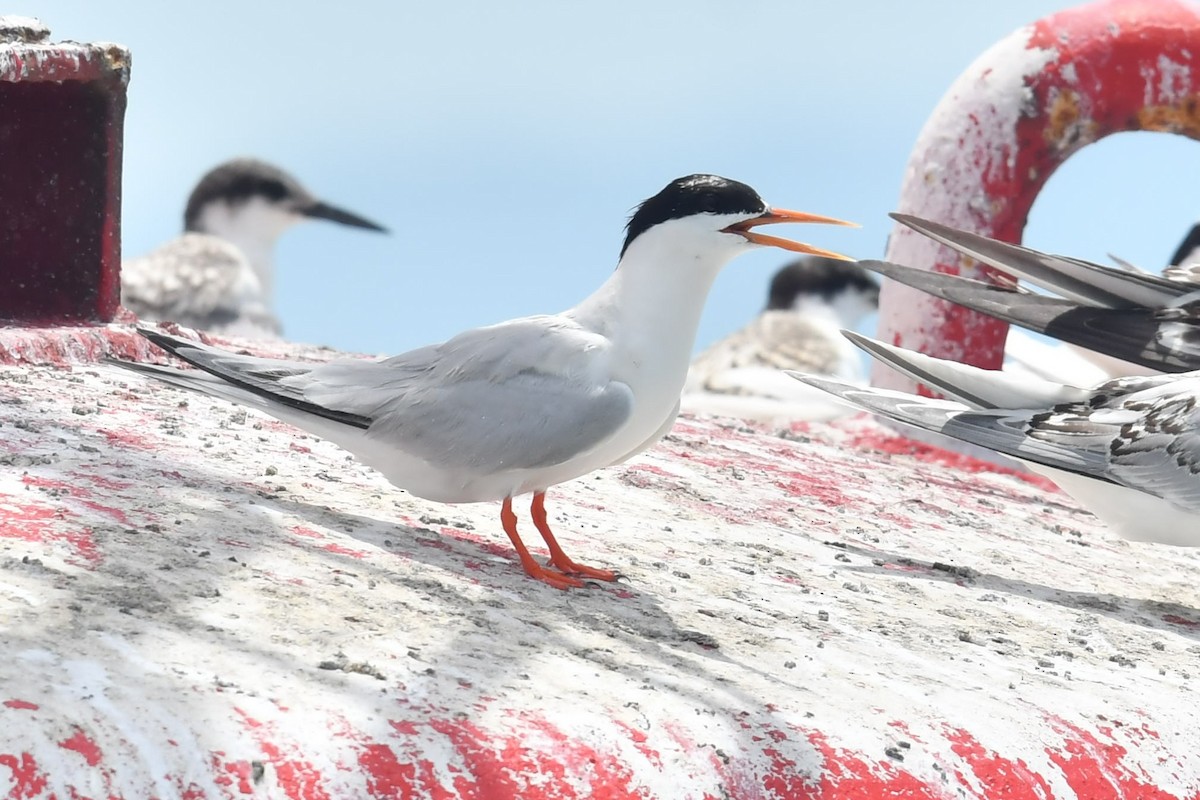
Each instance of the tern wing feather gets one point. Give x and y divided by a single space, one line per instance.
486 400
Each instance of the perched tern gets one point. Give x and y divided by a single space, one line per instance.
521 406
219 276
1127 449
1136 322
810 300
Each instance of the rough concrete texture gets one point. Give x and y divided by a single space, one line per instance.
200 602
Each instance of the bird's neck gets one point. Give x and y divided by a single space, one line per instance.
650 306
253 227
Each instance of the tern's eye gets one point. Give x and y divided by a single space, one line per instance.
709 202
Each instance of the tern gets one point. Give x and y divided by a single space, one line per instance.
219 275
809 301
521 406
1137 322
1127 449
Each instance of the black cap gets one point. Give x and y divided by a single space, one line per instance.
824 277
694 194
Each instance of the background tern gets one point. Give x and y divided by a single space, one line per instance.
1127 449
521 406
219 275
809 301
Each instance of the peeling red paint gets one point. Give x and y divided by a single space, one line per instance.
22 704
232 773
37 523
80 743
999 776
75 492
1097 770
27 781
297 777
1091 71
898 445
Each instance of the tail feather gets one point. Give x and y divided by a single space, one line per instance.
258 381
1131 335
1071 278
998 430
979 388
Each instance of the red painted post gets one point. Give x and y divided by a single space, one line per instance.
1022 109
62 110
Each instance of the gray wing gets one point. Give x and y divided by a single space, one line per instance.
200 281
520 395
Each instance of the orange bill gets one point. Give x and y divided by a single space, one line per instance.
777 215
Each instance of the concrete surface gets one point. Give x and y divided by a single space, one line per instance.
200 602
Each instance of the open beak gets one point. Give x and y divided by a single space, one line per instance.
776 215
319 210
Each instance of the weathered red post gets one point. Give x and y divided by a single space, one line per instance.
62 110
1007 123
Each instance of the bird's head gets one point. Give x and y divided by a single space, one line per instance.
707 215
247 198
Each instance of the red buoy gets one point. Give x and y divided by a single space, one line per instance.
1016 114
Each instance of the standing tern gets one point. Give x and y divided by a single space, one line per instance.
521 406
1127 449
810 300
219 275
1139 323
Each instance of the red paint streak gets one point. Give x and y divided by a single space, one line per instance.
227 772
1000 777
413 778
639 738
101 481
75 492
436 544
1096 769
824 493
22 704
892 444
132 440
35 523
342 550
298 448
233 542
298 778
1175 619
27 782
66 346
80 743
495 766
845 774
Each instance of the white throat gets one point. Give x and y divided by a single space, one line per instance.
844 310
253 227
651 305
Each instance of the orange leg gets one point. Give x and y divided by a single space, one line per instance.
557 557
534 570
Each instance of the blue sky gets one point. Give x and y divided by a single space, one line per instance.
505 143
